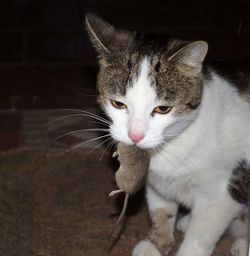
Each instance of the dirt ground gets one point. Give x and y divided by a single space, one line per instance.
57 204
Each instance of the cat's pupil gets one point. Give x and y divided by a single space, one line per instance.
119 104
163 108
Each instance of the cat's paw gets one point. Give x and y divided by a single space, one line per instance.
145 248
183 223
239 247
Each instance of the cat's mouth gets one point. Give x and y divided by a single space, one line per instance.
150 145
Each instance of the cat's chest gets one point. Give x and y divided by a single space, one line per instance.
174 179
183 174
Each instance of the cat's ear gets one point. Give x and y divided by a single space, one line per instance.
105 37
190 58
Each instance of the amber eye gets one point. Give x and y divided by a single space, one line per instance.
118 104
162 109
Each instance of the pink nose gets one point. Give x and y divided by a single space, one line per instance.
136 137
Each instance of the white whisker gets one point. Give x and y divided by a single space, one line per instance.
96 122
98 146
89 114
88 141
106 149
79 131
77 115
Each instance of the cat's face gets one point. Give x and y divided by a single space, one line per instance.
151 92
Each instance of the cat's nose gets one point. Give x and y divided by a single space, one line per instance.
136 137
136 131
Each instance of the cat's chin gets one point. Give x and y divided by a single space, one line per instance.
151 143
141 145
148 145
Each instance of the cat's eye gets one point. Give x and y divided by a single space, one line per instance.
118 104
162 109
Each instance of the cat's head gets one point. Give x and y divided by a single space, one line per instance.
151 91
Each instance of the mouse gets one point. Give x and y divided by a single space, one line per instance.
131 174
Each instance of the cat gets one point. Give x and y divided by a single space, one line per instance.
195 122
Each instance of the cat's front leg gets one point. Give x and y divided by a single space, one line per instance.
163 216
208 222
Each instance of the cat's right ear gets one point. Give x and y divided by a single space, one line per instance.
189 58
105 38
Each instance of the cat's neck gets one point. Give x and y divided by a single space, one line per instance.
217 97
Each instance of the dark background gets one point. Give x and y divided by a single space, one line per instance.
46 60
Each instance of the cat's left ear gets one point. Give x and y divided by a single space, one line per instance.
189 59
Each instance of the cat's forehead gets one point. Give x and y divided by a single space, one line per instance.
147 71
152 73
142 90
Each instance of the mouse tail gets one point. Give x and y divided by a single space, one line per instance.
125 204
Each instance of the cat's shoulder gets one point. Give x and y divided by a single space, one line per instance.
236 72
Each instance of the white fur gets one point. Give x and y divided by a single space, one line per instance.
239 247
193 168
145 248
183 223
240 230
